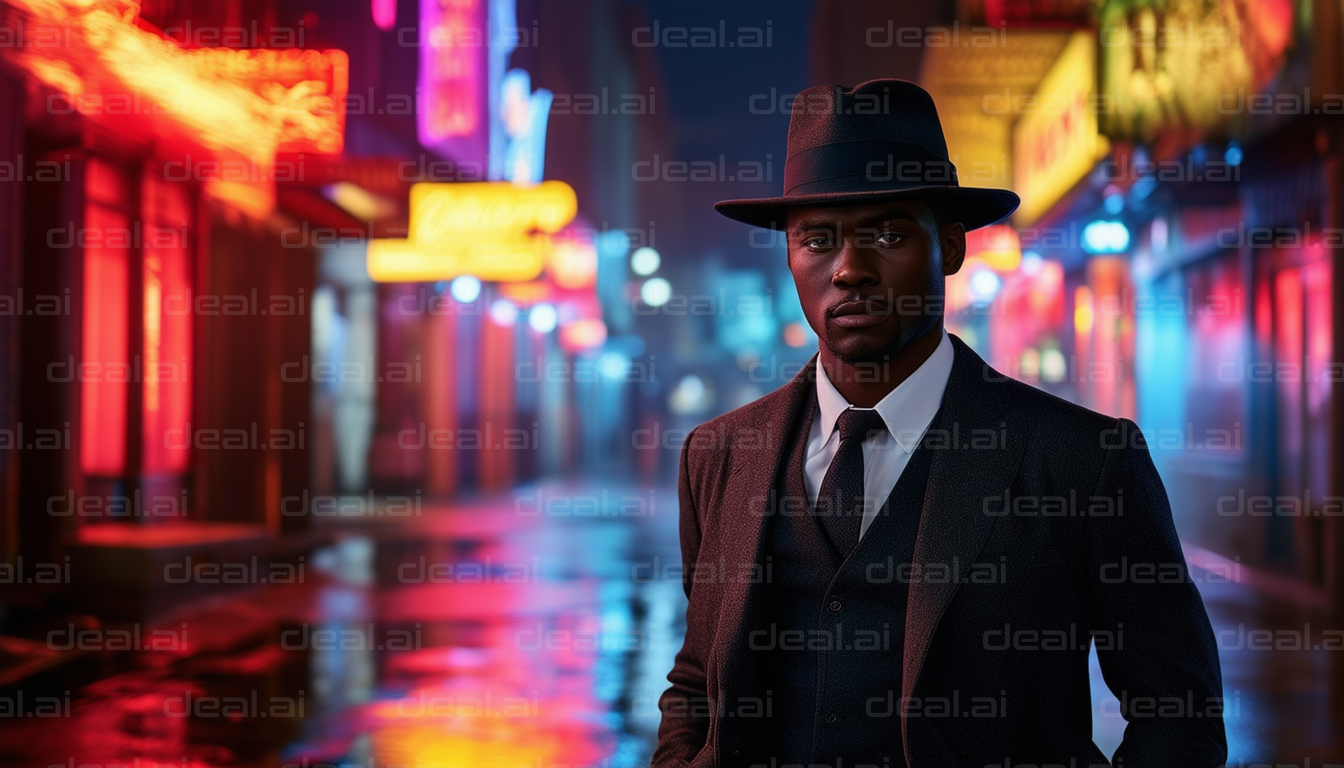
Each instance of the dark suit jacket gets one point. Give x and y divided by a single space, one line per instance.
1042 523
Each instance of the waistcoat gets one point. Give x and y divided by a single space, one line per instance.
830 640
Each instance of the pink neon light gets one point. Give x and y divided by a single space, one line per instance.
452 48
384 13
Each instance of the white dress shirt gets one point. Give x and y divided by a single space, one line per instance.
907 411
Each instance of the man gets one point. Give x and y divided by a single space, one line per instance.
929 546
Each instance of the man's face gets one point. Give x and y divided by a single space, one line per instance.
871 276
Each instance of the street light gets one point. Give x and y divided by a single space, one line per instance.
645 261
655 292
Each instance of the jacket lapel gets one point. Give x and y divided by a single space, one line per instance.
953 526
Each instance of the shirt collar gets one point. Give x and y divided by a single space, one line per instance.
908 409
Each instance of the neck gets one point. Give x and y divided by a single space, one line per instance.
857 382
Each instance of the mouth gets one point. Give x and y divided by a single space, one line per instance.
861 313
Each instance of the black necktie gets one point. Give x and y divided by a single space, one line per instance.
840 500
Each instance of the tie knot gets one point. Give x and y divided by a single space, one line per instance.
859 424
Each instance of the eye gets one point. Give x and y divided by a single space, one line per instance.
889 237
815 242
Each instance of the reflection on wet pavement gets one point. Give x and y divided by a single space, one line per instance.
499 634
491 635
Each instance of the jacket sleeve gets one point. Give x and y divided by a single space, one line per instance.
685 706
1154 642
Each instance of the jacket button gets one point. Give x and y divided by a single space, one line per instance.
831 717
836 605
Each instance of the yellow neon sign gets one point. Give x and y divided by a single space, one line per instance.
1056 141
492 230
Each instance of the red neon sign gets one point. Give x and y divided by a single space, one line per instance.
253 102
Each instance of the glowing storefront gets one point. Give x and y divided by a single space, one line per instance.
152 216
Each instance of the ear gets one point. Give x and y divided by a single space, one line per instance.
952 238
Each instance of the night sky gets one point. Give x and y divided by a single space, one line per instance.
710 92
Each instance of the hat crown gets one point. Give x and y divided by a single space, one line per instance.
885 109
880 140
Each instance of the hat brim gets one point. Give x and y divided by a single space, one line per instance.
974 207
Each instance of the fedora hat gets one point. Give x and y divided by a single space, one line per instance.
880 140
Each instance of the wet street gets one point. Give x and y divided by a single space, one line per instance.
531 630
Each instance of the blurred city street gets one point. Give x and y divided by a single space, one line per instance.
352 352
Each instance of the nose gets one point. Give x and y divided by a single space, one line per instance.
854 268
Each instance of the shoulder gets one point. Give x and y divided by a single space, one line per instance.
746 439
984 390
1066 444
1061 442
758 423
1045 408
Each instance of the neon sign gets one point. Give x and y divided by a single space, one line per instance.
492 230
253 102
1056 142
306 91
524 115
1150 59
452 78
